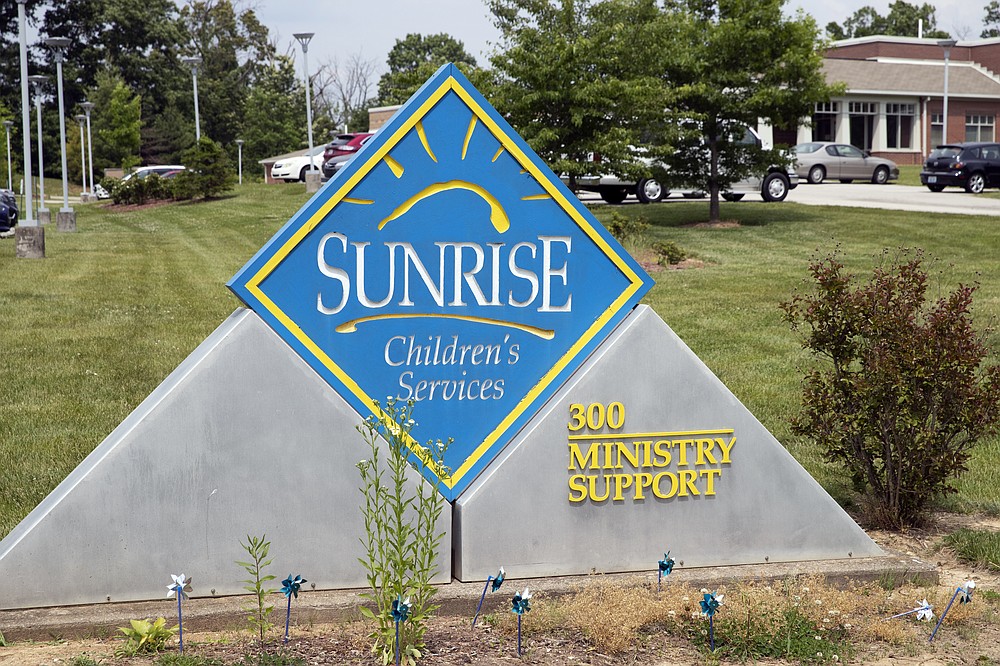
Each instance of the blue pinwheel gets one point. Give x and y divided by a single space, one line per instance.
290 587
709 605
181 586
666 565
964 596
400 611
497 582
520 604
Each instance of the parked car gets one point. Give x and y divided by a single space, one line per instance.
773 185
345 144
161 170
291 169
332 165
8 211
819 160
974 166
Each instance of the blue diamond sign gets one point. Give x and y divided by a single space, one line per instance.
445 264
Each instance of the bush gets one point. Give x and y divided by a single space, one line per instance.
668 253
625 229
208 170
138 191
904 395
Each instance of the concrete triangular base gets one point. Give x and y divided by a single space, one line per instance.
534 509
242 438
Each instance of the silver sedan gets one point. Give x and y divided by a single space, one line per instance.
818 160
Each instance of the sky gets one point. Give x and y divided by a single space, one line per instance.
345 28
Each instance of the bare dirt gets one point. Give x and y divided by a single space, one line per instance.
451 640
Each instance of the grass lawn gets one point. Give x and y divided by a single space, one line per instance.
91 330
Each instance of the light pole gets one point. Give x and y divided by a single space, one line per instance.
80 118
7 124
87 108
312 178
239 148
66 217
29 238
946 44
194 61
37 81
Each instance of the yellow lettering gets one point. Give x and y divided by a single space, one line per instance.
682 445
576 413
686 482
710 475
622 481
673 485
632 455
592 480
704 448
662 449
577 484
577 459
642 480
725 448
646 450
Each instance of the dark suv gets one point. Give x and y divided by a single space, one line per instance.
8 211
974 166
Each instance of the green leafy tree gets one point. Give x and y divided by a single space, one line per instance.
991 20
579 77
275 118
737 62
209 171
413 59
117 120
902 20
903 392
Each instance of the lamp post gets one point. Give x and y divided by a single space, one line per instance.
194 61
239 148
87 108
946 44
66 217
29 238
7 124
312 178
81 119
37 81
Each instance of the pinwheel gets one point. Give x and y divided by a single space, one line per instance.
709 604
964 596
497 582
520 604
181 586
666 565
400 611
290 587
924 611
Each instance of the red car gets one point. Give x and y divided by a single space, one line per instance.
345 144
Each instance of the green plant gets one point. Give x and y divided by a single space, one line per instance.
626 229
668 253
3 641
269 659
401 538
208 169
187 660
978 547
257 548
145 636
83 660
904 394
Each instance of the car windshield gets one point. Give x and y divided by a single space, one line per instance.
806 147
946 151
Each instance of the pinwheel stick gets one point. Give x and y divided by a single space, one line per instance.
397 642
288 616
941 619
915 610
519 616
489 579
659 577
711 632
180 623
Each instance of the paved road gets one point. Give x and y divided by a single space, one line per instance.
867 195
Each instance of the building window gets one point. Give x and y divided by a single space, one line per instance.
862 119
937 129
899 125
978 127
824 121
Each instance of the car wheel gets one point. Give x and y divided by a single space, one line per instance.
881 175
975 184
936 188
775 187
613 195
649 190
817 174
302 174
846 181
732 196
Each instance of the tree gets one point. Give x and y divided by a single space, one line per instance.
275 117
117 121
413 59
991 20
902 20
579 77
904 392
722 86
208 172
342 91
